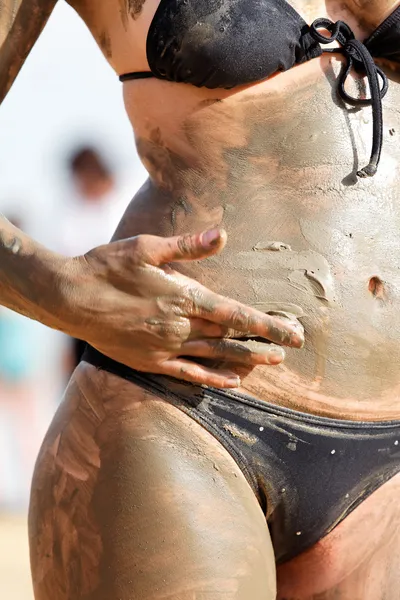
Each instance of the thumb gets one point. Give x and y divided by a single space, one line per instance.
187 247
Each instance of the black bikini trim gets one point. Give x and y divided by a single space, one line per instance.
308 472
136 75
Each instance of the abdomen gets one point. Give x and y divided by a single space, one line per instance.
275 165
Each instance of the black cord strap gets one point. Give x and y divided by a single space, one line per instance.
359 57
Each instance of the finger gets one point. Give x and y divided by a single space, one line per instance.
237 316
200 329
244 353
194 373
157 251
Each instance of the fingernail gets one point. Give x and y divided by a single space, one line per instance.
276 356
297 339
233 381
211 237
296 334
290 336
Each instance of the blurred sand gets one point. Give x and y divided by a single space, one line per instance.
15 578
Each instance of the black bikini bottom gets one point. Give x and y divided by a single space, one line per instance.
307 472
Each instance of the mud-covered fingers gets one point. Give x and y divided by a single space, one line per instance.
234 315
201 329
235 351
187 370
158 250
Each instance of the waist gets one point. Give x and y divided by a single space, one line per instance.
336 269
293 120
275 165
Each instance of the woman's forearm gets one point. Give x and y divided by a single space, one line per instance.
29 277
21 22
123 300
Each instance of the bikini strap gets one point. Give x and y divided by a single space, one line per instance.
358 56
136 75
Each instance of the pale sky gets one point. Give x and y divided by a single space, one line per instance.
66 92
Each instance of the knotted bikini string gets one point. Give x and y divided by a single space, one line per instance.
357 55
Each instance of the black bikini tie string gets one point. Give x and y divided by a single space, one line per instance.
359 57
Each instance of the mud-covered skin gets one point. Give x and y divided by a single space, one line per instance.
124 482
30 278
133 499
332 246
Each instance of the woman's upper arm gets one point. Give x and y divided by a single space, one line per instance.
21 22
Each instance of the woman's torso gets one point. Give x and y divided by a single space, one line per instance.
274 163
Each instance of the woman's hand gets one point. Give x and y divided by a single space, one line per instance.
126 301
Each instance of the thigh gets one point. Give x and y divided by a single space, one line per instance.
133 499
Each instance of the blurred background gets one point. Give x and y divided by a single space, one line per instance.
68 168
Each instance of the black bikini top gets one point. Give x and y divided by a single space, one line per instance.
225 43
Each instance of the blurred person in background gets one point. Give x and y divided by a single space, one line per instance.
94 205
20 428
95 202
